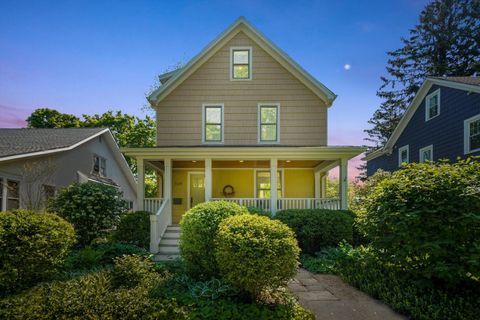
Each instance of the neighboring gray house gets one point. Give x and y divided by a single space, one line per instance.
35 163
442 122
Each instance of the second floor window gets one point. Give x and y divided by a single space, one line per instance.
213 123
403 155
241 59
426 154
432 105
472 134
268 123
99 166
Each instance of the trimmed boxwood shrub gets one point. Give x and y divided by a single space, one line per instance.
32 246
134 228
425 219
199 228
318 228
256 253
94 209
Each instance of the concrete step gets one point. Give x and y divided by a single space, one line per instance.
170 241
173 229
165 257
168 249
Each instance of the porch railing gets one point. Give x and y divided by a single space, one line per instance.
152 204
159 222
287 203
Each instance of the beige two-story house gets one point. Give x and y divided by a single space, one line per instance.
240 122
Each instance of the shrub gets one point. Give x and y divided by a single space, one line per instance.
134 228
258 211
425 219
94 209
404 293
32 246
318 228
100 255
255 253
327 260
199 228
130 271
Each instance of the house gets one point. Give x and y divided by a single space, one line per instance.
241 122
442 122
35 163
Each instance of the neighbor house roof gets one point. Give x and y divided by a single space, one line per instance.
170 80
22 142
470 84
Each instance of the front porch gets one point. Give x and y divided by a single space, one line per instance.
270 179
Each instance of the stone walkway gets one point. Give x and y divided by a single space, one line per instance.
330 298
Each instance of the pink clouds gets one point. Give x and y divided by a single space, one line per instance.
350 138
12 117
353 171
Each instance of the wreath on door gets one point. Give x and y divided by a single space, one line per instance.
228 191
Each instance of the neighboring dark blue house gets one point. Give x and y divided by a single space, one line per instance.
442 122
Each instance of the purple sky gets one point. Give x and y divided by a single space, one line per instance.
93 56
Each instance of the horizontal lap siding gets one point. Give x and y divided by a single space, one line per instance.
302 114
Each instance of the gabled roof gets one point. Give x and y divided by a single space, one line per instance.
24 142
470 84
169 81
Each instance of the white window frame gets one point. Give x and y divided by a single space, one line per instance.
427 104
427 148
250 62
259 122
282 181
222 108
400 150
466 131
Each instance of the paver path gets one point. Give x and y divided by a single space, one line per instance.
331 298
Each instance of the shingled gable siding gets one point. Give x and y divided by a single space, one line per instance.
303 116
445 132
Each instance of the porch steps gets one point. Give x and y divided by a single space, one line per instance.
168 248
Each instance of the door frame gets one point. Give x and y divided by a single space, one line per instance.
188 184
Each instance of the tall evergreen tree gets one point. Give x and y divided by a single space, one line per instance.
446 42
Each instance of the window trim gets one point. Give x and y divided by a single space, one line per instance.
420 152
259 123
100 158
407 148
282 181
427 104
249 49
222 125
466 134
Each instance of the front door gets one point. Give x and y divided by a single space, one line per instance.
196 188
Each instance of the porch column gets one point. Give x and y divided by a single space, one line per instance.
140 183
167 186
318 185
273 185
323 184
343 184
208 179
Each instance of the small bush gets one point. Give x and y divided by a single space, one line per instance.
130 271
134 228
256 253
425 219
32 247
199 228
100 255
94 209
327 260
258 211
318 228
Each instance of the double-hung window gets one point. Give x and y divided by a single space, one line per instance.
241 63
432 105
9 194
99 166
263 184
472 134
213 123
403 155
426 153
268 123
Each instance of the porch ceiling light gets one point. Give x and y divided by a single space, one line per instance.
194 160
288 161
240 161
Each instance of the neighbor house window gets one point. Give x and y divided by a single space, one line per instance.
13 195
99 166
241 63
432 105
213 123
426 154
268 117
472 134
403 155
263 184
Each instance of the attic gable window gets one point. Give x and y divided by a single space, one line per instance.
432 105
241 63
99 166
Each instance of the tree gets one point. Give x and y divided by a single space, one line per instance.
446 42
50 118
